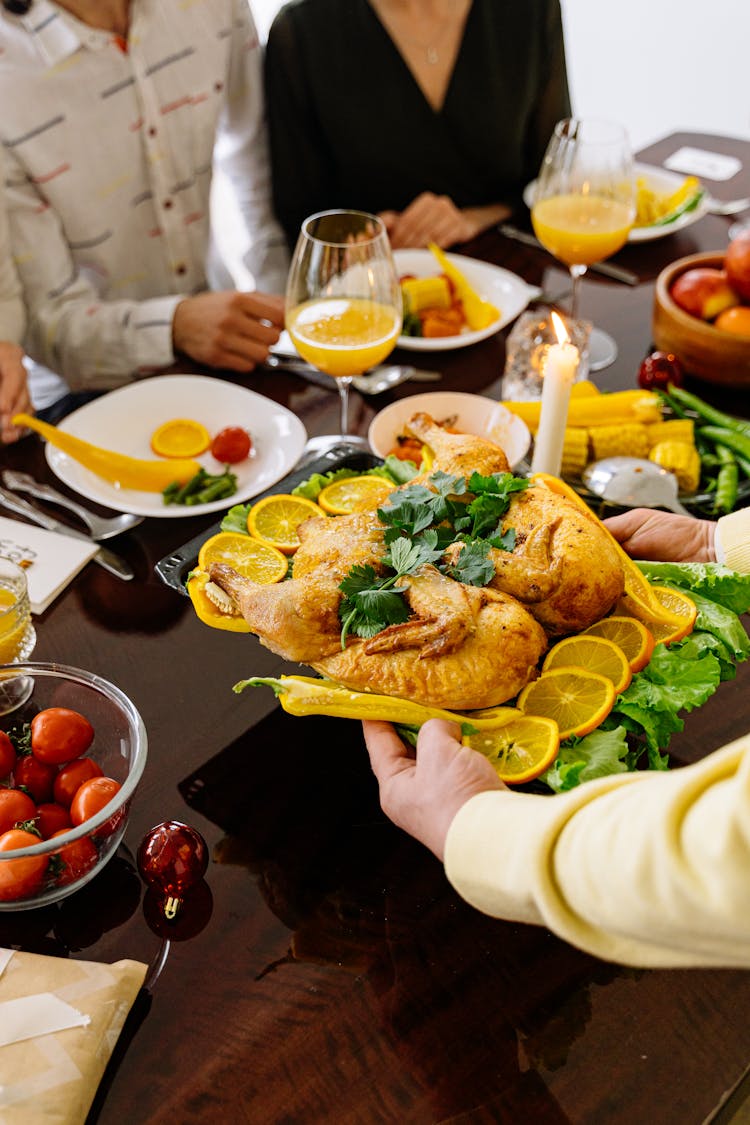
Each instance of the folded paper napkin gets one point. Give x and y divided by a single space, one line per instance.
59 1022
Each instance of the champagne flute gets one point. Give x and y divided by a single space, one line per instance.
343 298
584 205
17 634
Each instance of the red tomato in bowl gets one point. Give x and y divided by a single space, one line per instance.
72 776
7 756
231 444
16 807
38 777
51 819
22 877
91 798
74 860
58 735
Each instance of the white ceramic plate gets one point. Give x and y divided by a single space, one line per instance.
659 180
124 420
471 414
508 292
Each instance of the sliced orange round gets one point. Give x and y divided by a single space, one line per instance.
595 654
254 560
519 750
679 606
632 636
354 494
180 437
274 520
578 700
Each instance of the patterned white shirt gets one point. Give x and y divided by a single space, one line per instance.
109 149
12 316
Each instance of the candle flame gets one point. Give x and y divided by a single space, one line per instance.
560 330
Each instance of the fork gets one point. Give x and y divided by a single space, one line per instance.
728 206
99 526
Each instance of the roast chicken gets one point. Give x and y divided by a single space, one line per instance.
463 647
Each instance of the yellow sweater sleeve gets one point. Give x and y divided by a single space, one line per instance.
733 532
648 869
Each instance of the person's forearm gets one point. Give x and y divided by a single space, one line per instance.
483 217
644 869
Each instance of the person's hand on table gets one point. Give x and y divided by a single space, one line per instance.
663 536
436 218
422 793
14 391
229 330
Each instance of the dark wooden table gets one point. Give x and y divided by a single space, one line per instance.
329 973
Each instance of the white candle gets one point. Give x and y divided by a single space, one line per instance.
559 374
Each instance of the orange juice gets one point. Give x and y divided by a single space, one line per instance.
582 229
343 335
14 620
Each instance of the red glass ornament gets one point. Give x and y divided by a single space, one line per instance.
172 857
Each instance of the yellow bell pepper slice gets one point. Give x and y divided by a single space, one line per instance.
207 611
117 468
478 311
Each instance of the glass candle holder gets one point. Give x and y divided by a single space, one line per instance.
17 634
527 349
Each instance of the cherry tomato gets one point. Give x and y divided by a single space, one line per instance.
71 777
91 797
660 369
38 777
21 877
51 819
7 756
231 445
59 735
74 860
16 807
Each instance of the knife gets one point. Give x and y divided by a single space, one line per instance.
607 269
106 558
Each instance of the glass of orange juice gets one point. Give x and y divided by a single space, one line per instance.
343 299
17 634
584 205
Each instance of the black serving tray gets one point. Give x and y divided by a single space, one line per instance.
175 567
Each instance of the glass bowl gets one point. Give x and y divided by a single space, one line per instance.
119 748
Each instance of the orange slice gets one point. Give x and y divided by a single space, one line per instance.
354 494
519 750
578 700
250 558
274 520
595 654
682 610
180 437
639 599
630 634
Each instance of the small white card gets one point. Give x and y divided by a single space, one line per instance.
51 560
707 165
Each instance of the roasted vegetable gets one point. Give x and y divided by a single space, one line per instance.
681 459
479 312
629 439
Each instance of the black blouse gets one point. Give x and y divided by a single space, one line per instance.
350 126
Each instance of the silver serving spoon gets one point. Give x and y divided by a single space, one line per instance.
634 482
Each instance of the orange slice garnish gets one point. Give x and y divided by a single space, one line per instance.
577 700
254 560
274 520
630 634
354 494
180 437
681 608
519 750
595 654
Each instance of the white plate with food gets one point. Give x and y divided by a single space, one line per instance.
654 187
465 413
124 420
509 294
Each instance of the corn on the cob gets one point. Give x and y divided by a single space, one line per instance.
676 429
426 293
575 452
681 459
614 409
629 439
584 388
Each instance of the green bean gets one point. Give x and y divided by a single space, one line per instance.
726 481
744 464
708 412
732 439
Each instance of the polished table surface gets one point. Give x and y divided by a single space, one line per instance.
327 972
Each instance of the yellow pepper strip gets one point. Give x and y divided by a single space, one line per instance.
478 311
117 468
207 611
588 410
305 695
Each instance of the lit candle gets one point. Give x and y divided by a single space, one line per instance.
560 369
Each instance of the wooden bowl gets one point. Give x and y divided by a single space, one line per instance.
707 353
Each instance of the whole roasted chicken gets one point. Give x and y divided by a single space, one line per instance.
461 645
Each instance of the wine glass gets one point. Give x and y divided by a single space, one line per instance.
17 634
343 298
584 205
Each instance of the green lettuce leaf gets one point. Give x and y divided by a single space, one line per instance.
718 583
599 754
